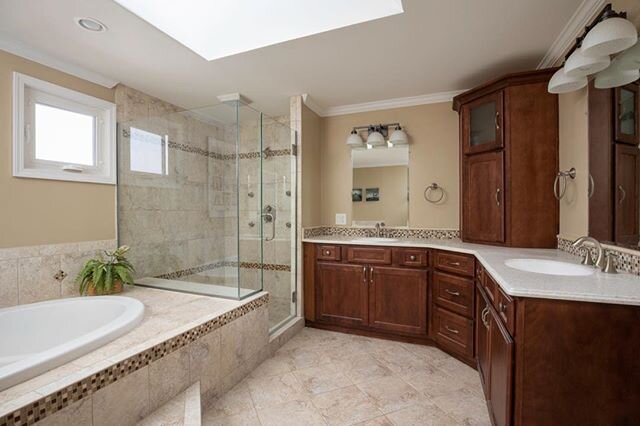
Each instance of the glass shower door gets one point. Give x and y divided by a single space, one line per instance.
278 218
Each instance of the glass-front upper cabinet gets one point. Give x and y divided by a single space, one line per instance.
626 113
483 123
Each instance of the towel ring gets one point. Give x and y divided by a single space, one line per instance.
433 188
560 183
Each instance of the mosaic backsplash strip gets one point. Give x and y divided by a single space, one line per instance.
344 231
222 264
627 261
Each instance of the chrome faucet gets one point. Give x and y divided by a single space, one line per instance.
379 226
600 261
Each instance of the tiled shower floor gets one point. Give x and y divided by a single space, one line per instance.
327 378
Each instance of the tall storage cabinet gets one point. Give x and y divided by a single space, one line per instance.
509 160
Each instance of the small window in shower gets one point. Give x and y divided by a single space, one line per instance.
148 152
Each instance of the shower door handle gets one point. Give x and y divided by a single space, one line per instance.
269 218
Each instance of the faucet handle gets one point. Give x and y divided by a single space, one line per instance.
587 259
610 263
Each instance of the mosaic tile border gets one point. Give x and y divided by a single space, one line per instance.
627 261
47 405
267 153
211 266
345 231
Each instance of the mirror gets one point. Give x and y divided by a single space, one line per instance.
380 190
614 164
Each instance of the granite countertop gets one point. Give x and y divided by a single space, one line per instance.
621 288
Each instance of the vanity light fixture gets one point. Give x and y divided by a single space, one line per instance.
609 34
377 136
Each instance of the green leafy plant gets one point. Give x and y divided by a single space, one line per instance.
104 271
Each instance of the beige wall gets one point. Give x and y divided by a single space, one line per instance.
433 157
37 211
393 207
574 146
310 167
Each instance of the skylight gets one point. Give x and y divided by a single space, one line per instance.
215 29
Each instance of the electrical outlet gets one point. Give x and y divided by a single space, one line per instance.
341 218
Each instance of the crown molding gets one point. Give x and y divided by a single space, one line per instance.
312 104
42 58
408 101
583 15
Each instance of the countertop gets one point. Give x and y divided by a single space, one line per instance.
620 288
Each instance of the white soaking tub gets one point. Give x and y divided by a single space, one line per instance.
38 337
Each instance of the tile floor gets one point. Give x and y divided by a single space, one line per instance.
327 378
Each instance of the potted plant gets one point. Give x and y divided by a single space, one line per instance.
106 274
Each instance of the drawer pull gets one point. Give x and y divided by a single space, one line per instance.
485 312
327 253
451 330
412 257
454 263
364 274
453 293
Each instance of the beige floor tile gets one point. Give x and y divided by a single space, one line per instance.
345 406
322 378
378 421
423 414
236 401
247 418
399 360
304 357
458 369
292 413
268 391
430 353
360 368
433 382
390 393
275 366
464 408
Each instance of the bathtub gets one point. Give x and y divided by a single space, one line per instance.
37 337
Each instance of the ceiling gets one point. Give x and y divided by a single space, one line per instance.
434 46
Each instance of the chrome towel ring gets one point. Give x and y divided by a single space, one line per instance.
434 193
559 188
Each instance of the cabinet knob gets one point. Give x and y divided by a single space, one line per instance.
327 252
412 257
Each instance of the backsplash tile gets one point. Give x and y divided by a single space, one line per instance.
27 274
627 261
347 231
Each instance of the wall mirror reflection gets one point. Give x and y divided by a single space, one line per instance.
380 186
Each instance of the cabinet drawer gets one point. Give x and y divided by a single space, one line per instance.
328 252
454 293
411 257
506 308
369 255
453 332
462 264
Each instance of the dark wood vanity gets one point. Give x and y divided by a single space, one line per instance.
541 361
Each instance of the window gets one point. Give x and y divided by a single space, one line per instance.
148 152
62 134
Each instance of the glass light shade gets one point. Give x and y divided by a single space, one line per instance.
376 139
399 137
578 65
561 83
610 36
615 77
354 140
629 59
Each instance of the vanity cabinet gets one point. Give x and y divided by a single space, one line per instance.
626 114
509 161
342 294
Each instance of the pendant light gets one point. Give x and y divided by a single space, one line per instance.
610 36
614 76
398 137
354 140
375 138
578 65
561 83
630 59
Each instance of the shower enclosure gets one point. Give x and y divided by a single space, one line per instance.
207 199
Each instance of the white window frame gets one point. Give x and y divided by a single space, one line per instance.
29 90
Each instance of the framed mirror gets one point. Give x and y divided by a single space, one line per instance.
380 190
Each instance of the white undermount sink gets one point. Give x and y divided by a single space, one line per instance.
375 240
550 267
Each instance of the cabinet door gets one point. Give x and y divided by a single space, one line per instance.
398 300
626 201
500 371
483 322
483 202
342 294
482 124
626 114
